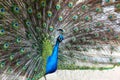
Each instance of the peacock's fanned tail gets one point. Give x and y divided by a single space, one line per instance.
22 39
29 28
92 35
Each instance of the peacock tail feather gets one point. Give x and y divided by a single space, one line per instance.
29 30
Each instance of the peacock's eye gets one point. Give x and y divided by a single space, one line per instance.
111 17
60 18
75 29
98 24
22 50
18 40
15 9
84 7
2 64
9 70
18 63
29 36
2 31
75 17
87 29
39 15
43 3
51 28
12 57
49 13
70 4
73 39
96 34
44 24
2 11
98 10
58 6
15 25
87 18
28 23
6 45
30 10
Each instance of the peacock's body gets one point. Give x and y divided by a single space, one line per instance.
31 32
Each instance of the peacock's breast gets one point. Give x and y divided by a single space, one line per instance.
51 65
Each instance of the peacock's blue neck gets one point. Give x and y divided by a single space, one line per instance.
52 60
55 50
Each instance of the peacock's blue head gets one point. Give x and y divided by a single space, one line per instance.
60 38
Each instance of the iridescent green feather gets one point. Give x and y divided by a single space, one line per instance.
47 50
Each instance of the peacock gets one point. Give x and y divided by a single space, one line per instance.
37 37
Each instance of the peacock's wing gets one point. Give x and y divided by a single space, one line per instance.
91 31
21 39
